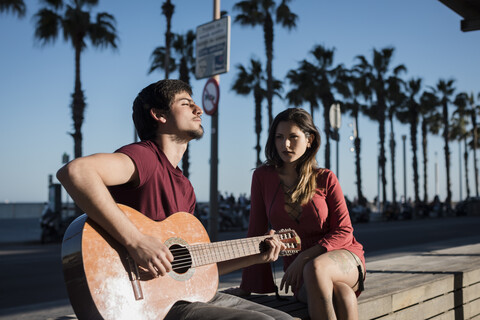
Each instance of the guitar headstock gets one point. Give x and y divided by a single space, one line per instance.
291 240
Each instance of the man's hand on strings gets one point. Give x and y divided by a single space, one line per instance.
274 248
151 254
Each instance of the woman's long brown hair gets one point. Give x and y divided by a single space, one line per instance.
306 166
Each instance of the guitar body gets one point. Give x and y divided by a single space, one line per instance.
100 278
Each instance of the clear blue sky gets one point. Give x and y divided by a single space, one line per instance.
36 84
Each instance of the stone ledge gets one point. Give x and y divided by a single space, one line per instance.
437 285
443 284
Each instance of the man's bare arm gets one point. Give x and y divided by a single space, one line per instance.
86 180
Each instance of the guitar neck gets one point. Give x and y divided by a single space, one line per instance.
207 253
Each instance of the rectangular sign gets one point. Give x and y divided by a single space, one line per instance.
212 48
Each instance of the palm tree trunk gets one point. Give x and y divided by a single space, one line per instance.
168 37
358 170
425 160
382 158
413 141
185 77
78 107
268 34
258 123
446 149
475 146
326 119
392 155
465 158
327 100
168 9
186 162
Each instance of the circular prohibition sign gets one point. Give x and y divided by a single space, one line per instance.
211 96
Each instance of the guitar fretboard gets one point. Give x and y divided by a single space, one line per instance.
207 253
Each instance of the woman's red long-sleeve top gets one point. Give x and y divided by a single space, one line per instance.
324 221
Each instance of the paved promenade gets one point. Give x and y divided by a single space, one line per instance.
27 231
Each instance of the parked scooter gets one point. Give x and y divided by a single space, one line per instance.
232 218
52 225
53 222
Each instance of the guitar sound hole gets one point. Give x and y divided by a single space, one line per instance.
182 260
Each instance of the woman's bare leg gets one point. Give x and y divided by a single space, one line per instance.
320 274
345 302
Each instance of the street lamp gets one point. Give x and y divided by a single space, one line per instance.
66 159
404 138
436 174
353 136
460 167
336 122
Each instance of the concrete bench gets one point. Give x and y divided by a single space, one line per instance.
436 285
443 284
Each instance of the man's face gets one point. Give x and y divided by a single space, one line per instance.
185 116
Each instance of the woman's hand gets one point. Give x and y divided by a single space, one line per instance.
293 275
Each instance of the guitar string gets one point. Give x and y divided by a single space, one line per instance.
185 260
230 242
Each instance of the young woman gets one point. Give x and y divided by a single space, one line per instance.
290 191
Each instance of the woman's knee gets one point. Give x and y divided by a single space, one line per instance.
317 268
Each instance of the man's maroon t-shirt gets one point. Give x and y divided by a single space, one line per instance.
162 190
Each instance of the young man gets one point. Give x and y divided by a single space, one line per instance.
146 177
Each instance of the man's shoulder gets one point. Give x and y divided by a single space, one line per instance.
143 149
141 145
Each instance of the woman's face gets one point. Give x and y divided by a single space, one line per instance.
290 142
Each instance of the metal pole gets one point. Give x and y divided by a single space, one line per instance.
404 138
213 212
378 183
338 170
460 167
436 175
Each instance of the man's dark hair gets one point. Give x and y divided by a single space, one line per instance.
158 95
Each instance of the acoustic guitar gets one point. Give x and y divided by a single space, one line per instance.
104 282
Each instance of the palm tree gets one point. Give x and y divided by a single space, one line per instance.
326 83
260 12
16 6
354 88
303 82
431 123
252 80
158 61
444 91
410 114
167 9
377 73
394 99
316 80
73 19
474 110
459 131
183 46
